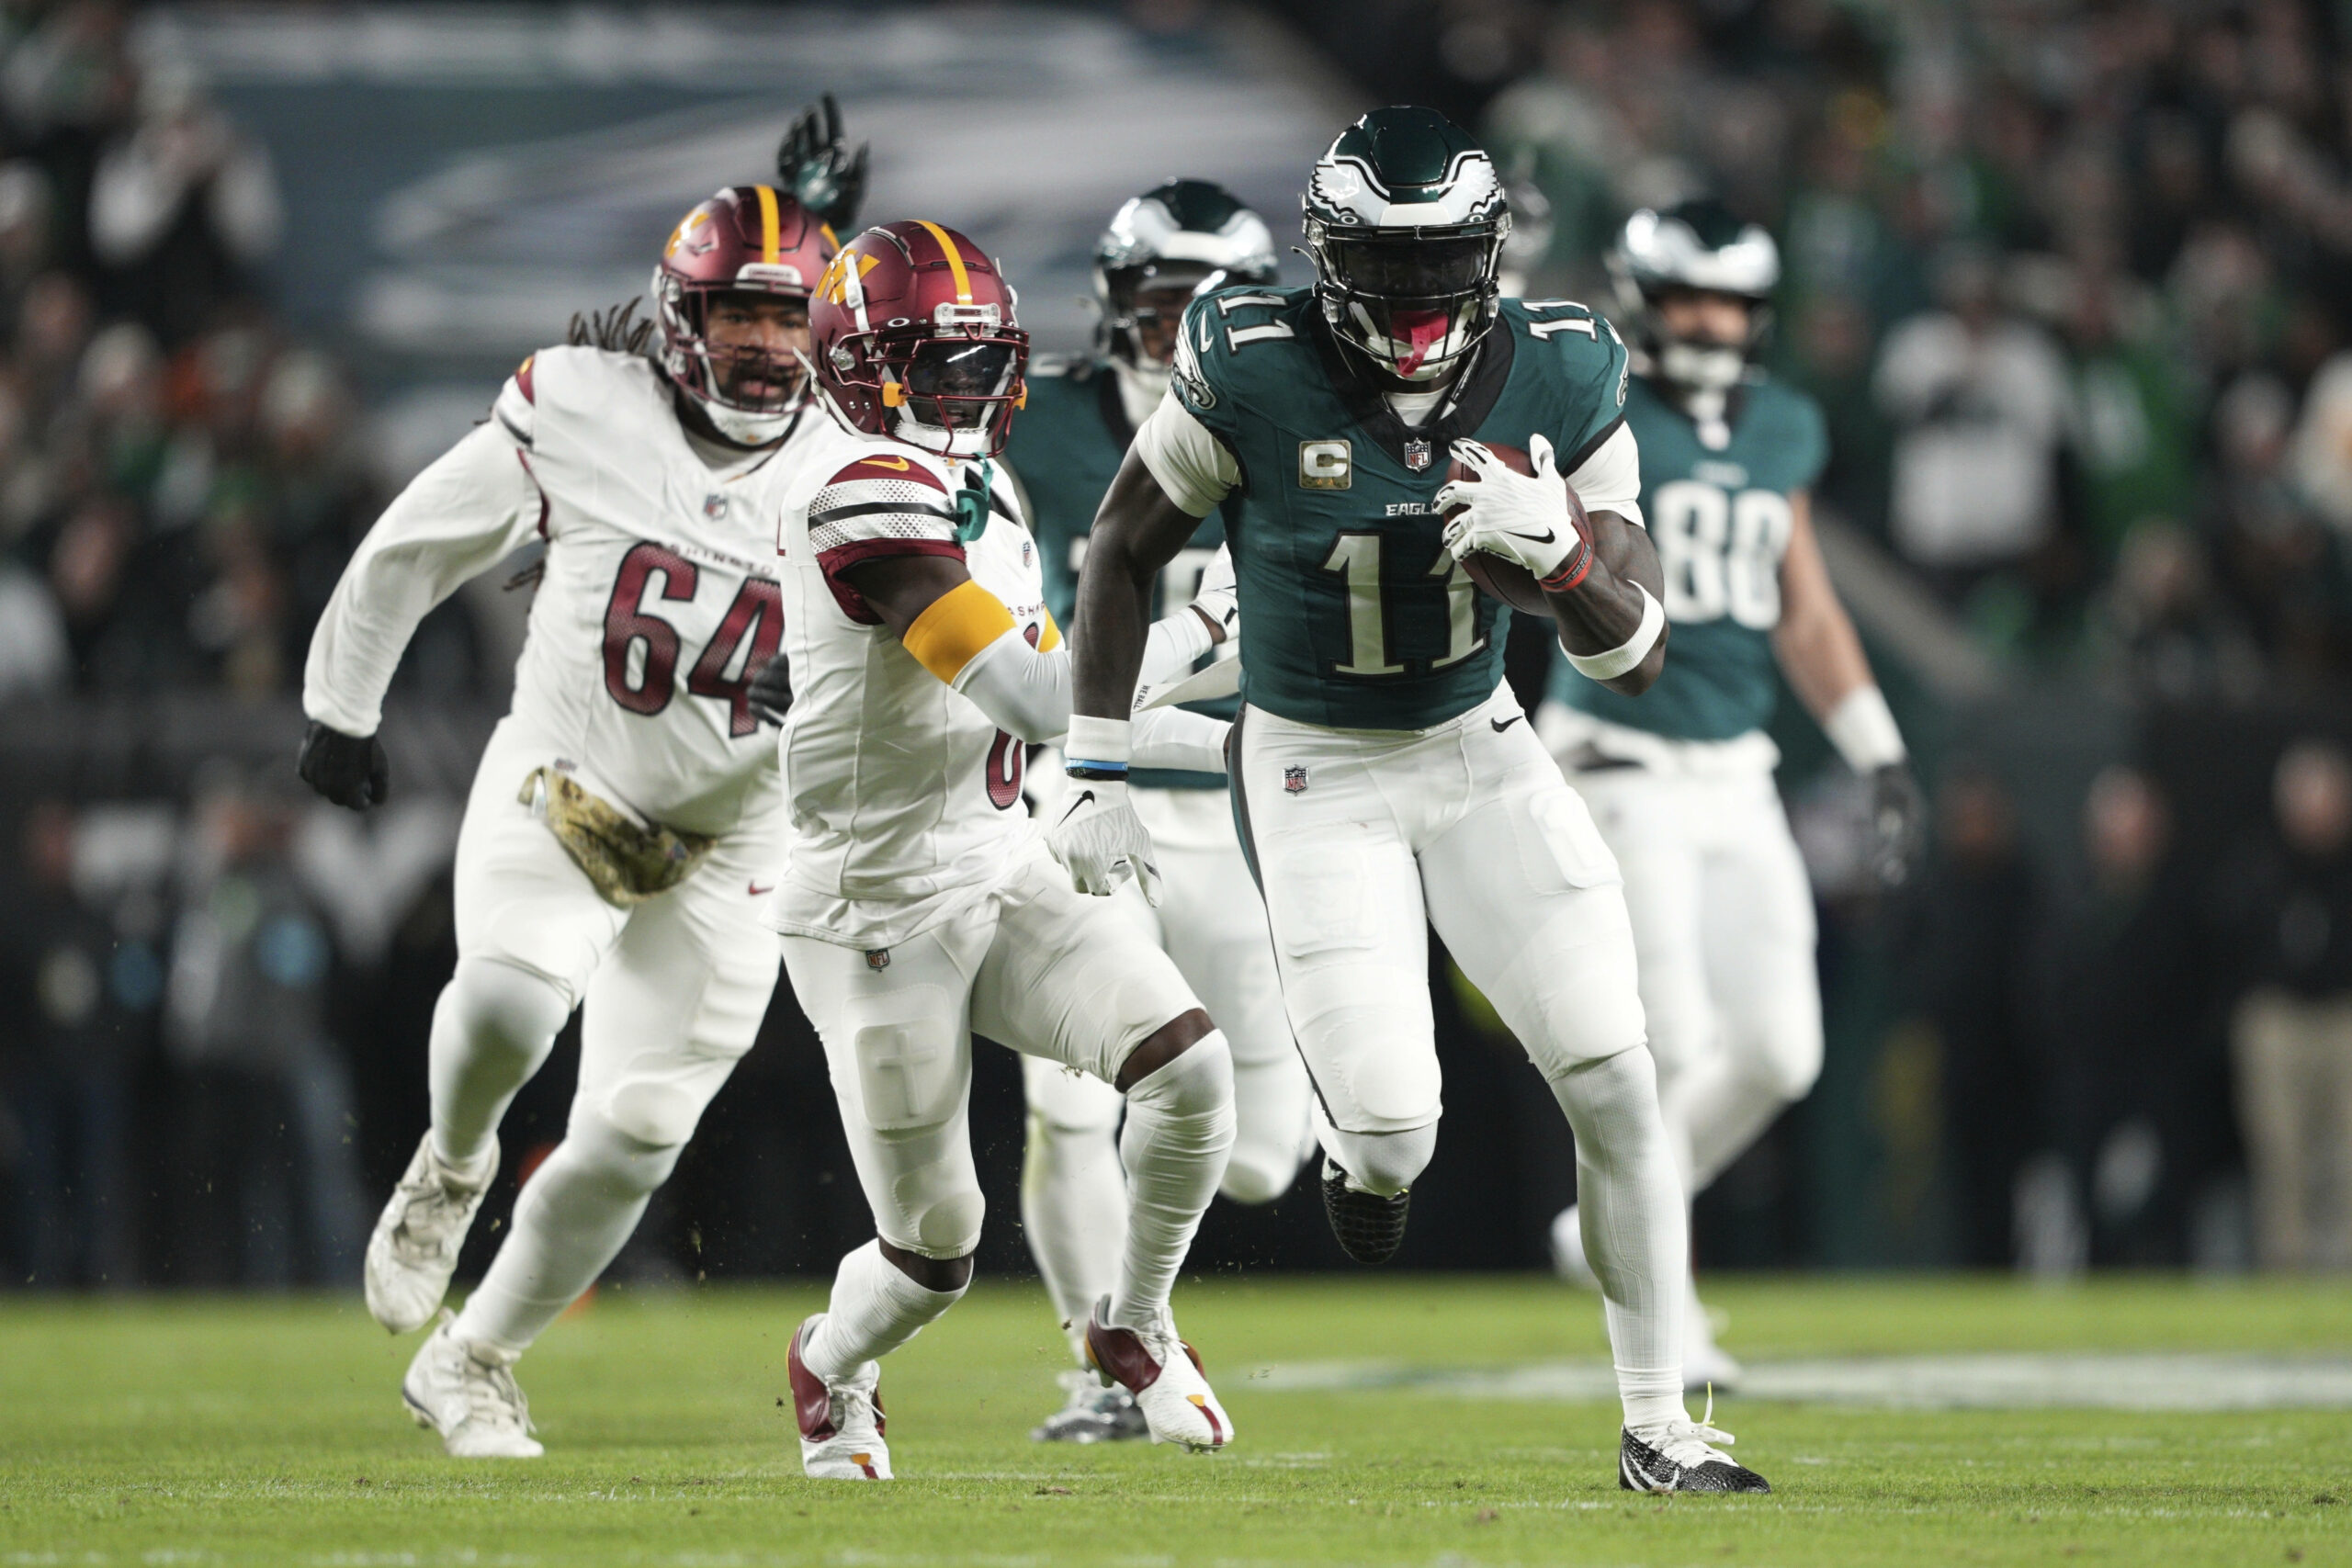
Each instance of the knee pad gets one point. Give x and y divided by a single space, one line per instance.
936 1206
622 1164
1610 1101
1781 1060
505 1007
1197 1082
1257 1172
1384 1163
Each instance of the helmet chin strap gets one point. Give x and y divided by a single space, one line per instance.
743 428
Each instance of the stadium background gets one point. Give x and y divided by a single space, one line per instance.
259 264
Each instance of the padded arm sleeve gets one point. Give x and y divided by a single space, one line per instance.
474 506
1027 690
1610 480
1194 467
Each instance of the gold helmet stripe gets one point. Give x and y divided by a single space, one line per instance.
771 229
954 261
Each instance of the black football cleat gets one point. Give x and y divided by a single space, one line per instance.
1677 1457
1370 1228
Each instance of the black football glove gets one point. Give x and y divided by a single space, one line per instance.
1898 825
350 770
770 694
816 166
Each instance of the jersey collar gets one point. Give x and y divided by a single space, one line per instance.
1474 396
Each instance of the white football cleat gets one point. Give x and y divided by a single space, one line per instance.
1164 1374
467 1394
1092 1413
414 1249
842 1423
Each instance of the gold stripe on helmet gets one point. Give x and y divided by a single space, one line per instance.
771 235
954 261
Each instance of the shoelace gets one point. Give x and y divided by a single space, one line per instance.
1681 1438
493 1398
430 1216
853 1411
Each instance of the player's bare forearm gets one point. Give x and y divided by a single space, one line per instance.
1604 610
1815 643
1137 531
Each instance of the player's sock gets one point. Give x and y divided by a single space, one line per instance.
1635 1233
874 1310
1179 1132
573 1219
1074 1211
494 1024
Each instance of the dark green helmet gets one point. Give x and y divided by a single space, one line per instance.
1181 237
1404 220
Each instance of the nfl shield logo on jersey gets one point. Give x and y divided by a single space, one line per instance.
1416 454
1295 781
714 506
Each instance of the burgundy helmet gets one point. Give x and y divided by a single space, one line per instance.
914 334
747 239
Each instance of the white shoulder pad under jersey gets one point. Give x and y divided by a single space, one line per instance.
902 793
660 591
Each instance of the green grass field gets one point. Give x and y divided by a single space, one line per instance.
186 1431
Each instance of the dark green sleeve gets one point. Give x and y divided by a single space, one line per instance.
1809 441
1597 376
1204 378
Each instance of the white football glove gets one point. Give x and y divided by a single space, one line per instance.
1525 518
1219 599
1101 841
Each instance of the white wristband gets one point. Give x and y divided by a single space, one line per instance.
1864 730
1632 651
1093 739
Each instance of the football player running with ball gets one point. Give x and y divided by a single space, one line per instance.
1383 776
1682 780
1180 239
918 904
627 814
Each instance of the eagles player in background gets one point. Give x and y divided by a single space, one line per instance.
1682 780
1180 239
627 810
1383 776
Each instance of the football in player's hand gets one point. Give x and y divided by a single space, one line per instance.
1504 579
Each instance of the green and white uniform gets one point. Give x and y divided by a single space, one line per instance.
1681 781
1383 776
1066 446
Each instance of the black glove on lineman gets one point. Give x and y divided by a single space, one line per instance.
1898 824
350 770
816 166
770 694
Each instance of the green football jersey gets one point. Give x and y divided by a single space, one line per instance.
1352 614
1721 521
1067 445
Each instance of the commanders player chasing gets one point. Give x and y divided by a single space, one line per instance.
627 810
1682 780
1180 239
1383 776
918 904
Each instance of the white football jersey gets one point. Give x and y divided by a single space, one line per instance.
905 798
659 589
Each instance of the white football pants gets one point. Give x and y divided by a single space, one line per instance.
1033 965
1723 924
1213 923
671 992
1362 839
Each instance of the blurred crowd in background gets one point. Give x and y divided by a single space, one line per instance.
2075 282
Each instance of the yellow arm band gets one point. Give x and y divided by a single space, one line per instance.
1049 635
956 626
